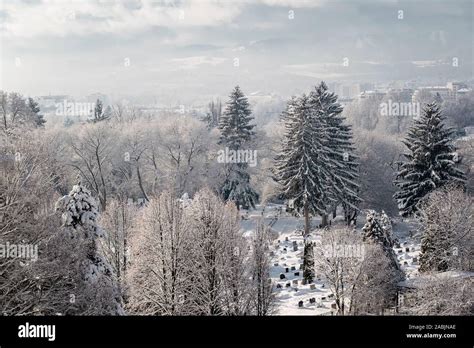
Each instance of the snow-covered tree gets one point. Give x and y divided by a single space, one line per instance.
343 185
212 118
157 277
334 265
261 282
447 229
446 293
38 119
96 278
119 222
430 162
376 231
236 272
236 132
92 147
208 256
386 225
302 167
373 282
100 114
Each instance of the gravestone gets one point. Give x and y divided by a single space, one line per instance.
282 276
278 286
323 298
275 264
286 239
333 306
405 263
295 248
284 250
297 274
322 286
295 281
415 259
288 285
286 270
301 266
312 286
293 268
400 251
407 249
312 300
300 304
331 296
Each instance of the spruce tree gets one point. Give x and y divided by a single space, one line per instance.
301 168
99 113
372 230
34 109
80 214
375 231
343 185
236 132
429 163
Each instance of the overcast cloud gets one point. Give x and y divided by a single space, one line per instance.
191 48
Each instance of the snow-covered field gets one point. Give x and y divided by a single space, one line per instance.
287 260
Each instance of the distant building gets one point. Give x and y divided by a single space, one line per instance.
451 91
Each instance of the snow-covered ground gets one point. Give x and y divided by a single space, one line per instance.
287 260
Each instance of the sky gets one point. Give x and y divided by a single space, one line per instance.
195 48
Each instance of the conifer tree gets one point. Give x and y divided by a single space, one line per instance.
343 185
301 168
99 113
430 162
38 120
236 132
375 231
80 214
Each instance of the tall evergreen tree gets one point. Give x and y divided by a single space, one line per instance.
301 168
377 231
80 214
38 119
100 114
213 116
341 157
236 132
429 163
